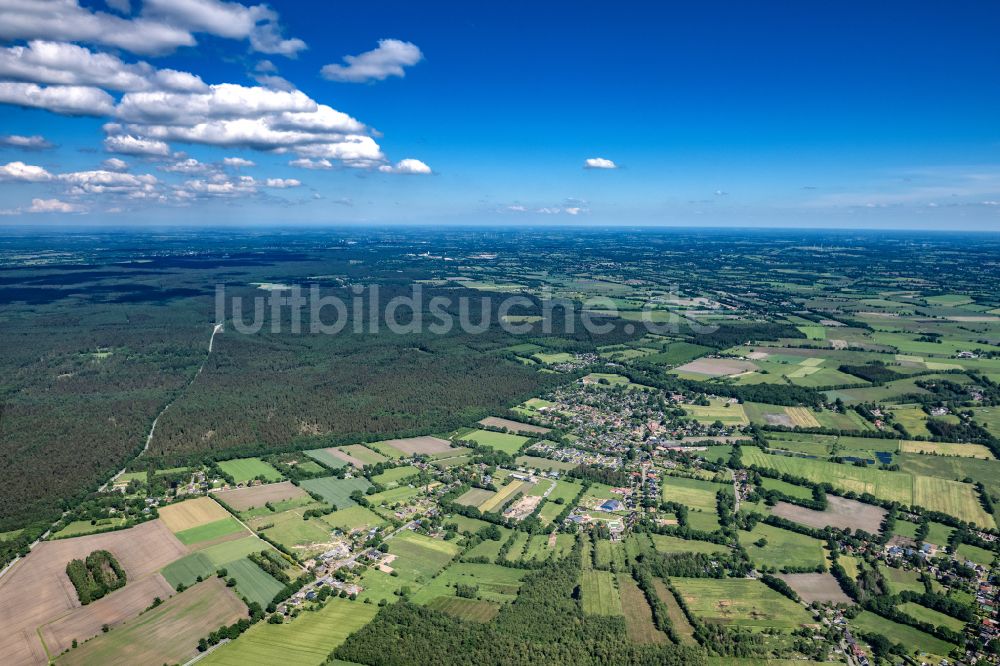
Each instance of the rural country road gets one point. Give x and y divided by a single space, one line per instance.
217 328
736 492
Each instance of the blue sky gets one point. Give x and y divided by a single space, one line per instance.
711 113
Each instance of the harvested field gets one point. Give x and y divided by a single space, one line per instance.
243 499
676 614
85 622
952 497
779 415
513 426
472 610
167 634
716 367
812 587
36 590
638 614
413 446
802 416
840 513
191 513
946 449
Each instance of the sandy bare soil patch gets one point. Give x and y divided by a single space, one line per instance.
523 507
86 622
421 445
167 634
385 564
816 587
717 367
37 591
514 426
242 499
840 512
191 513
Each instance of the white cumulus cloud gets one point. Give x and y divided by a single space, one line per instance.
388 59
162 27
126 144
115 164
53 206
67 100
407 166
599 163
237 162
25 173
306 163
34 142
189 165
68 64
282 183
110 182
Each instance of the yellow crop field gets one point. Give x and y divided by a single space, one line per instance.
951 497
503 495
946 449
802 416
191 513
